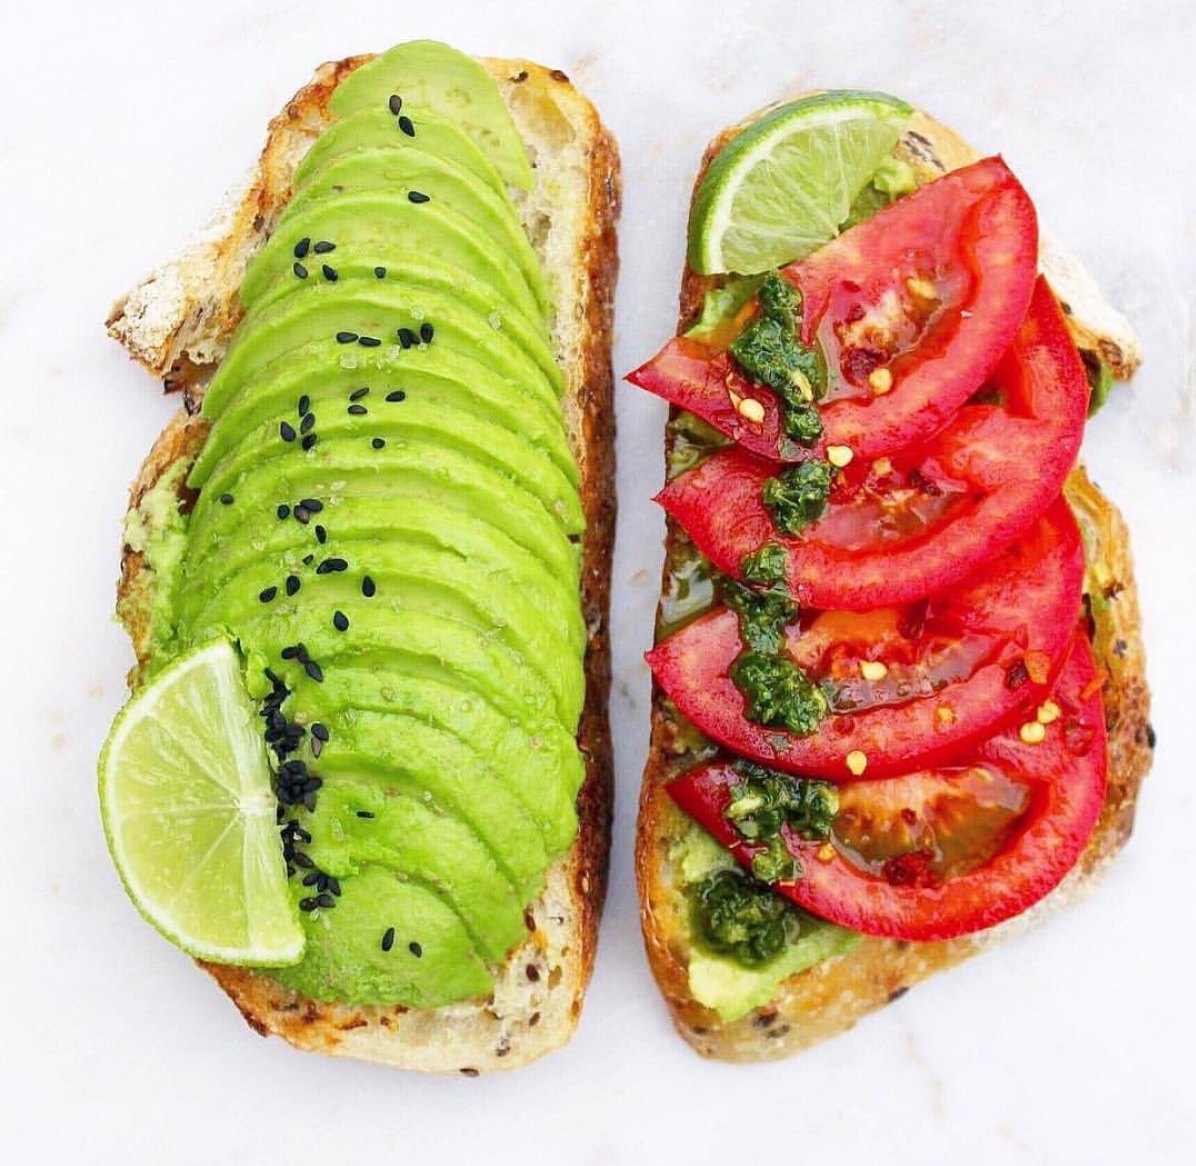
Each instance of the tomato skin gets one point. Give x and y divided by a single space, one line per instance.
999 467
1027 601
1066 775
983 217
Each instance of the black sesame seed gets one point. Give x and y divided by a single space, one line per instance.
308 560
365 813
302 515
340 621
299 270
292 584
333 885
346 337
301 656
309 441
406 126
378 442
323 247
395 104
406 337
369 341
286 431
357 410
303 860
329 273
319 731
307 904
380 272
268 595
325 900
417 196
304 405
309 420
314 671
367 587
313 505
290 651
313 878
312 784
357 394
388 939
321 535
415 949
397 395
309 803
329 565
301 248
426 332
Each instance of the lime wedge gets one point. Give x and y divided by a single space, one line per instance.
190 815
782 188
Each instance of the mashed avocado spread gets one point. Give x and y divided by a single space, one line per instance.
386 524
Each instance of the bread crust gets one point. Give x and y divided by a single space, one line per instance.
177 324
832 996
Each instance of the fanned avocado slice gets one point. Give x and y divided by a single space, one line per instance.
411 472
418 423
426 374
376 314
544 769
426 521
363 227
426 74
412 577
436 849
393 264
345 958
376 128
417 758
417 174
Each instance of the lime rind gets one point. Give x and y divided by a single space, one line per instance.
189 814
782 187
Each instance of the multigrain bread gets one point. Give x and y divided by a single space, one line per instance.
830 997
178 322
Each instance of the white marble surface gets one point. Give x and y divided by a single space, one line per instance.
124 124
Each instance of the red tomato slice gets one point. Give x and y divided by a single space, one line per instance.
958 666
944 852
931 290
921 520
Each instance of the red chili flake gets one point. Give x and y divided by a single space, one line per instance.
1016 674
911 870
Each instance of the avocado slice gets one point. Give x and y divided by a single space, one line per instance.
400 266
545 770
361 227
345 960
413 577
426 375
375 313
409 836
426 522
345 475
426 74
378 129
418 423
408 172
403 754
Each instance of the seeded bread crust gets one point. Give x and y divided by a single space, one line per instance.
832 996
177 324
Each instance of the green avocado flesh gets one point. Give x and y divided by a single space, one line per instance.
386 522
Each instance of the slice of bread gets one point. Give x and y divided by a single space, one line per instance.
178 322
830 997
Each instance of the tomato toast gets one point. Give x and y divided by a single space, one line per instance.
900 700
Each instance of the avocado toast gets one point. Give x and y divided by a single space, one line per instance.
391 483
829 977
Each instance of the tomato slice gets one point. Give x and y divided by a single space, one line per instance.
944 852
919 521
957 666
930 290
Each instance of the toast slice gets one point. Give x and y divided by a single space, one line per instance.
831 996
177 323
